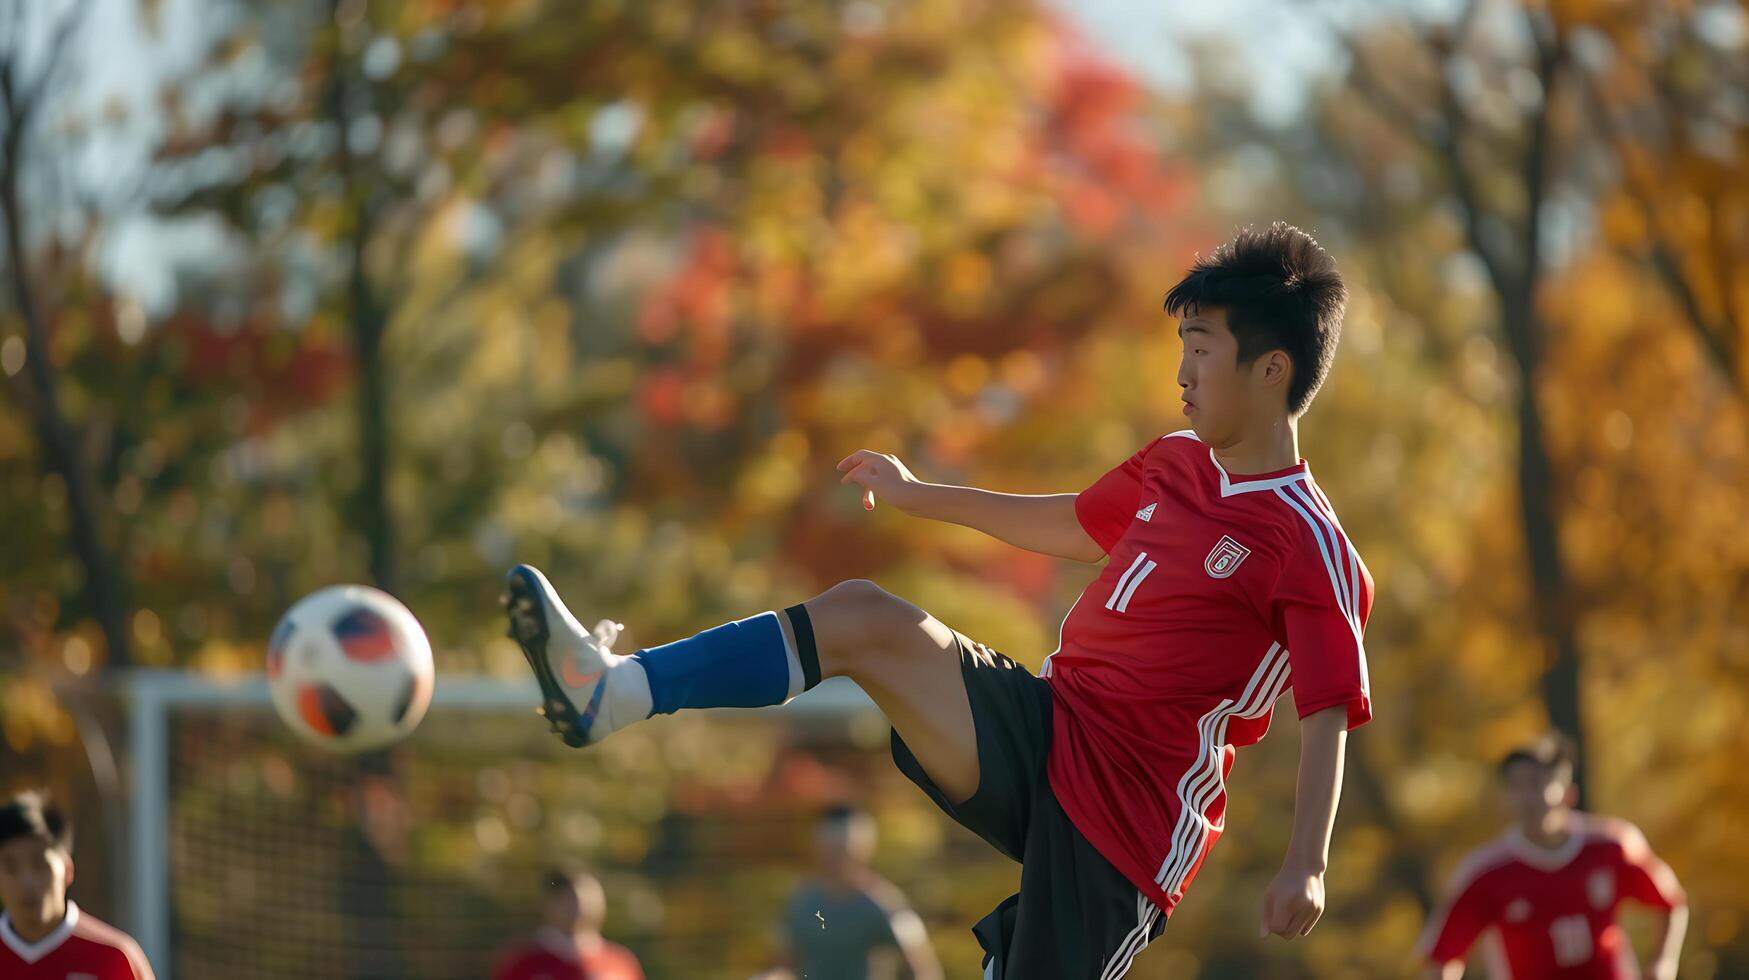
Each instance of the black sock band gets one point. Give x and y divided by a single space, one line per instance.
805 652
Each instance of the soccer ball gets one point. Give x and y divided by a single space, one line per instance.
350 669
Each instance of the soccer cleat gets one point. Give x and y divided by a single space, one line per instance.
571 664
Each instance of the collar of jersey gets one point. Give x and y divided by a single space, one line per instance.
31 952
1262 481
1547 858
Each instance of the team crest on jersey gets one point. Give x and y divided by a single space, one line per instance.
1518 910
1146 513
1601 887
1225 558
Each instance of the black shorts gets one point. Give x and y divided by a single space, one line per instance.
1076 917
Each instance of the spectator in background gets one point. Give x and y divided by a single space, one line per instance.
43 933
568 945
847 923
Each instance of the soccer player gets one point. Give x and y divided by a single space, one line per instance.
43 934
1546 892
568 945
1229 581
846 922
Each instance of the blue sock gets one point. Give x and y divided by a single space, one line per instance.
744 664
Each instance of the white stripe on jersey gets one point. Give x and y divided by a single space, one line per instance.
1354 563
1206 780
1123 579
1201 783
1123 604
1326 531
1334 547
1212 783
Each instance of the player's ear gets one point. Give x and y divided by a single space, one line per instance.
1274 367
1571 796
69 862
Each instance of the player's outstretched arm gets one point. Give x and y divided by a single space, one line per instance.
1294 901
1043 523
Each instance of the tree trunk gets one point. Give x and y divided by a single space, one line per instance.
1405 865
368 320
1536 504
373 424
372 897
105 587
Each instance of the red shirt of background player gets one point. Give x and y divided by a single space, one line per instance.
82 946
554 956
1551 914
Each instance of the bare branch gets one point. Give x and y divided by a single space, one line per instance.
57 51
1718 338
1551 55
1444 136
1366 83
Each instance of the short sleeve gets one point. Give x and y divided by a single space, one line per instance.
1643 877
890 920
1321 604
1454 928
1106 508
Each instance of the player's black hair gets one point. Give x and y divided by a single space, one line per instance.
1553 752
842 813
33 814
563 877
1280 291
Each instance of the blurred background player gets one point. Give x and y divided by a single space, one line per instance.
42 932
846 922
1548 889
568 945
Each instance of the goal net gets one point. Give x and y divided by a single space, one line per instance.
255 857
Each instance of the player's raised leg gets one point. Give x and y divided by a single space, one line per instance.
908 662
904 658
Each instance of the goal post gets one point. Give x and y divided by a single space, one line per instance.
159 700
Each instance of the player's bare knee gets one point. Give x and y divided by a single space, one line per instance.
858 605
857 619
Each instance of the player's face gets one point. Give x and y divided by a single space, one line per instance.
33 878
845 842
581 906
1220 395
564 910
1533 791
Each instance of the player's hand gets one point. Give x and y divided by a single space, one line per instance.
1293 903
882 475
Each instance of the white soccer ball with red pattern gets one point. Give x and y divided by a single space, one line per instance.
350 669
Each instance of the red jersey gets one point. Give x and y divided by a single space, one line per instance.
1221 593
555 956
82 947
1551 914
